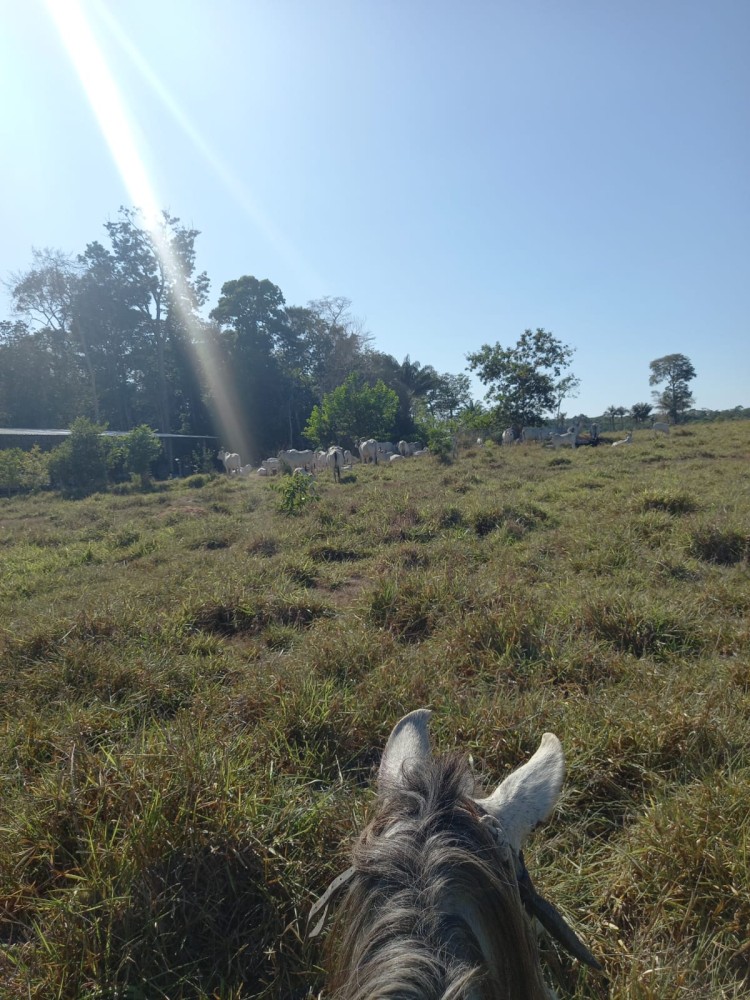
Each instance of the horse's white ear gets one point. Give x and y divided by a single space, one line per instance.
408 744
528 795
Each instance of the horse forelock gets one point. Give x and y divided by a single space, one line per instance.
433 910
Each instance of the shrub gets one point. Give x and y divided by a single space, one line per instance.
440 443
296 492
142 447
79 465
23 470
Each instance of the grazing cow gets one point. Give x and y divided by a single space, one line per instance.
535 433
439 902
407 448
231 461
335 461
298 459
368 451
625 440
660 427
570 437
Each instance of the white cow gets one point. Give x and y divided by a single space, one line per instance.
245 471
335 461
349 459
660 427
395 458
298 459
231 461
368 451
508 436
625 440
385 448
535 434
271 465
570 437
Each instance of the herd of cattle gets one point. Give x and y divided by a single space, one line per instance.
335 458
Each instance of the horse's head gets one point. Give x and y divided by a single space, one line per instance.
439 901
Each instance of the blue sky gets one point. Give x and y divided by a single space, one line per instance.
459 171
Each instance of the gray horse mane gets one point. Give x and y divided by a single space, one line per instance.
433 910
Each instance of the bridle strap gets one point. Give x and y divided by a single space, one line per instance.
322 904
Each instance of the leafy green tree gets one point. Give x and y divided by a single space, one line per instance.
142 447
524 379
640 412
448 394
264 361
162 296
676 371
79 465
46 296
41 384
354 410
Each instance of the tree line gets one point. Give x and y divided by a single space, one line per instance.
114 334
118 334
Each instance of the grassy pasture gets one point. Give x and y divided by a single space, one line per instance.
195 689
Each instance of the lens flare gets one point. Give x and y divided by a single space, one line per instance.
119 132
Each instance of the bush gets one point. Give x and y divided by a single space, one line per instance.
23 470
142 447
296 492
440 443
79 465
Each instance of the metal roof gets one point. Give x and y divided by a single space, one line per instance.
55 432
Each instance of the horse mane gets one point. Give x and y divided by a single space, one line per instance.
433 910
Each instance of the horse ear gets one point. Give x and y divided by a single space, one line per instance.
528 795
408 744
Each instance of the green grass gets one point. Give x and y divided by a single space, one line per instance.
196 684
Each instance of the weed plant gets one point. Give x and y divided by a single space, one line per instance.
195 689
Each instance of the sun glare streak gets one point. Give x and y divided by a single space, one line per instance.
111 115
230 181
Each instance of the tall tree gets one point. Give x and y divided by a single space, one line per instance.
156 270
611 412
676 371
47 295
254 336
640 412
337 342
523 379
41 384
449 394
